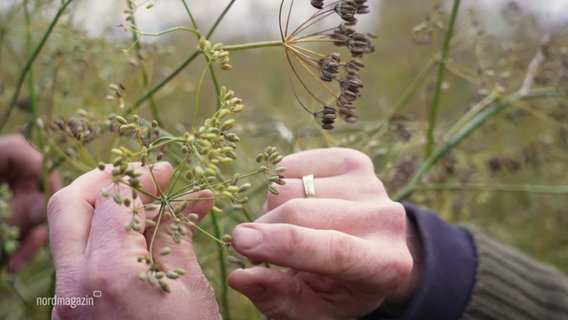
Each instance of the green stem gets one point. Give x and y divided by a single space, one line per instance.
34 108
468 129
162 83
254 45
215 84
198 95
210 66
193 21
412 87
29 63
224 287
155 232
160 33
145 78
439 80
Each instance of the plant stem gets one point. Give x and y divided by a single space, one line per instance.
34 107
221 261
191 18
29 63
434 109
468 129
198 94
412 87
162 83
145 78
254 45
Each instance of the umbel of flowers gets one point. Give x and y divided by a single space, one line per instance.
330 68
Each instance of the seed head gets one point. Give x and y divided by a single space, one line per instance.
318 4
329 67
347 9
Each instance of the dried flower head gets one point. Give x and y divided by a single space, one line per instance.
328 69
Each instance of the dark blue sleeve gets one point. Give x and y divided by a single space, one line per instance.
449 270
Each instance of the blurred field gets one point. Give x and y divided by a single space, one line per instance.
508 176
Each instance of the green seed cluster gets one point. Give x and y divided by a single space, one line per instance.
199 157
155 277
268 161
181 225
215 53
212 145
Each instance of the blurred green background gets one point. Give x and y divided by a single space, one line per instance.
508 177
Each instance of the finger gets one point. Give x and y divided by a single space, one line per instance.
54 182
28 210
326 163
70 211
34 240
325 252
347 186
276 294
182 254
18 160
357 218
111 218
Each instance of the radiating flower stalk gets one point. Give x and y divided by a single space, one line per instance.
334 74
198 157
328 68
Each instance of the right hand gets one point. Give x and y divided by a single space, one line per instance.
345 250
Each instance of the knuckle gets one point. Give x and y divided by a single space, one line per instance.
292 211
371 187
356 160
291 239
391 216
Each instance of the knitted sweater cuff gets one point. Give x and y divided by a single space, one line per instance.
511 285
448 274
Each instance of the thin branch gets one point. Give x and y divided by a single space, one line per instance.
435 107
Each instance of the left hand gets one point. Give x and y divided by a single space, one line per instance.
20 168
93 252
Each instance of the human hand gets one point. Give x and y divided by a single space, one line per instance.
93 252
20 168
345 249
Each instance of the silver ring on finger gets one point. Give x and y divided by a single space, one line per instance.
309 187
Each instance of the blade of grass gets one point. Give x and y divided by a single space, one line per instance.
468 129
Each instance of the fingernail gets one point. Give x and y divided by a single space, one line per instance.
246 238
